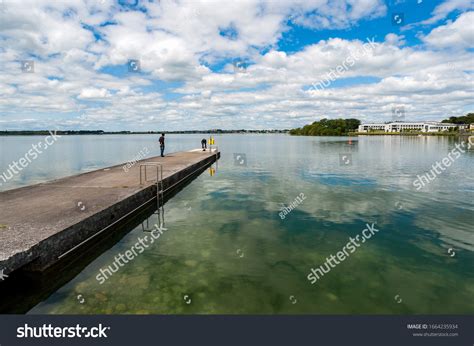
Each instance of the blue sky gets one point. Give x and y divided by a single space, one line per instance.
247 64
297 37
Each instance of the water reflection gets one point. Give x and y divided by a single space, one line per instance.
157 220
234 211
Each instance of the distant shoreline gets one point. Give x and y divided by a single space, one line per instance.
407 134
157 133
214 132
417 134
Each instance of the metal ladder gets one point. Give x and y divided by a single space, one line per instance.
160 211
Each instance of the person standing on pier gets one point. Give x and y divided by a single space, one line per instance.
204 144
162 144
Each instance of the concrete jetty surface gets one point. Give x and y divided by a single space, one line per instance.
42 222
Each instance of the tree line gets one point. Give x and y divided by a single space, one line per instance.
342 127
328 127
465 119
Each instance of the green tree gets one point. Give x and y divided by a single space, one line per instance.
327 127
466 119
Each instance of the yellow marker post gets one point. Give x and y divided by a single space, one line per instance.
211 141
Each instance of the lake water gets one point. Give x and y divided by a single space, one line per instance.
227 250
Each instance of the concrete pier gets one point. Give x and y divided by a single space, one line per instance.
41 223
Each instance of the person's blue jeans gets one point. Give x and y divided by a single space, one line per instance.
162 147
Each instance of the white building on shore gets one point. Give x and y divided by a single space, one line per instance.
398 126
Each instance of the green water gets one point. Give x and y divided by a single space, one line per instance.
226 250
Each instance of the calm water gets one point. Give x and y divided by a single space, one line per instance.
227 250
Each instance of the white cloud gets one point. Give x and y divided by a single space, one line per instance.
457 34
444 9
93 93
395 40
337 14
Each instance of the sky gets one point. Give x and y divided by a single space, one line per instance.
243 64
